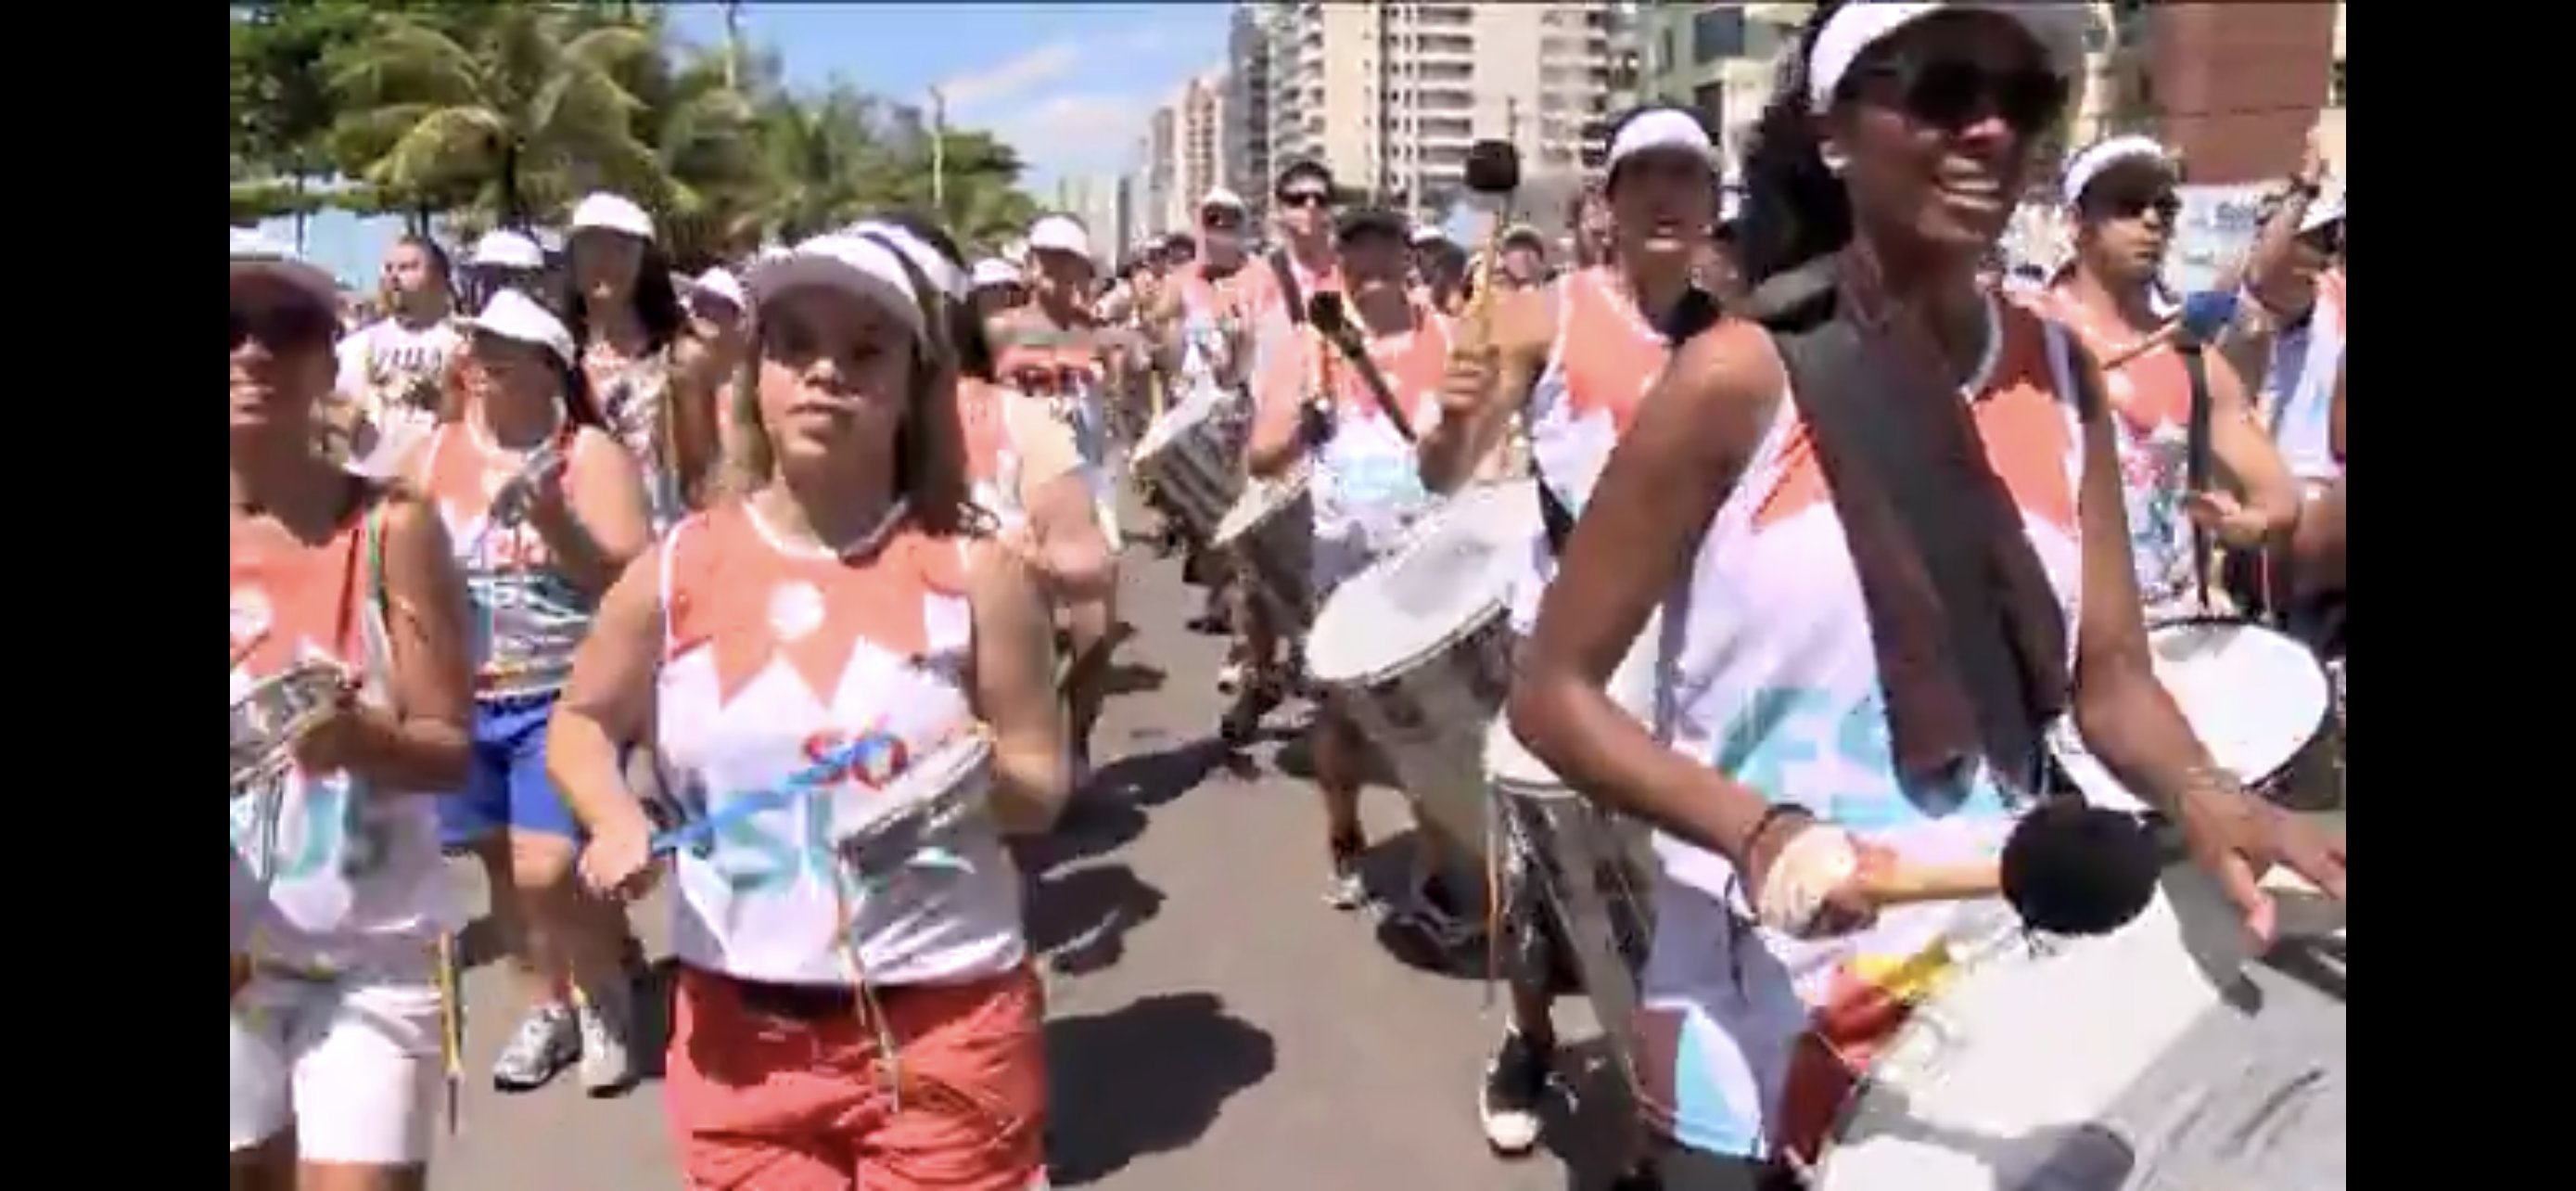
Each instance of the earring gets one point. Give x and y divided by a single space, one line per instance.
1836 161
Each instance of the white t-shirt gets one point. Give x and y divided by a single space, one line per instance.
368 357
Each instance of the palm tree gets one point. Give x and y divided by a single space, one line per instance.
825 164
703 134
513 108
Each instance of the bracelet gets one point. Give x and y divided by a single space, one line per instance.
1771 817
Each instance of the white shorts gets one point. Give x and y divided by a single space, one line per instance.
352 1066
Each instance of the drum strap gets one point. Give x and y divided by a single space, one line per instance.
1289 290
1363 366
2198 456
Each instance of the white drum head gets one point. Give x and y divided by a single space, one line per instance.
1449 579
2254 697
1511 767
1260 499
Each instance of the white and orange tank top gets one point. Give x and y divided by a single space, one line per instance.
1366 483
635 397
1769 676
1209 308
337 874
1604 358
2297 401
525 617
777 657
2151 398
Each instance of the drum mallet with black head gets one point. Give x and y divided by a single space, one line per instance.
1493 176
2067 869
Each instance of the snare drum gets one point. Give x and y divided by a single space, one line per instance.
1271 530
880 832
2155 1058
1416 651
1184 455
2257 698
1595 871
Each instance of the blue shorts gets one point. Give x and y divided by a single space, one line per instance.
507 786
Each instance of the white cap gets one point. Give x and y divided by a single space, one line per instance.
1657 130
2324 210
1427 234
1016 252
722 286
2097 158
612 213
2059 28
517 317
933 264
855 265
1059 233
991 272
255 255
1222 197
505 249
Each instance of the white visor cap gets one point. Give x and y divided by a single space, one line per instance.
255 255
506 250
1854 28
517 317
854 265
1058 233
943 276
993 272
721 286
2101 156
1661 130
612 213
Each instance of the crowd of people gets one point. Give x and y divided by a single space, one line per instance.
607 558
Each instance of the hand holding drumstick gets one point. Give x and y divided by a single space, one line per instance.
2066 869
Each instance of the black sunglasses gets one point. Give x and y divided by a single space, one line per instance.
1953 93
2134 204
285 326
1308 199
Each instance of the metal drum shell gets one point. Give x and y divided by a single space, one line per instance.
1191 463
1276 550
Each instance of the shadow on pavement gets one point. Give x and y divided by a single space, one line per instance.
1173 1059
1079 919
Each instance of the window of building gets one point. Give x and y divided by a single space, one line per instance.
1709 100
2335 92
1717 33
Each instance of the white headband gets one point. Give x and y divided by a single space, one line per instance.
1857 26
855 265
943 276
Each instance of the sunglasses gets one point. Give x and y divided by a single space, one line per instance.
1304 199
2162 203
1041 381
284 327
1953 93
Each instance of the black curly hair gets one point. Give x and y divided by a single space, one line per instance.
1795 209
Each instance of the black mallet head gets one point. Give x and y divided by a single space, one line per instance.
1493 168
2072 869
1325 310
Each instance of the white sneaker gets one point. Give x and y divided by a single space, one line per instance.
607 1058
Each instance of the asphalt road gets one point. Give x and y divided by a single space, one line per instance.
1213 1024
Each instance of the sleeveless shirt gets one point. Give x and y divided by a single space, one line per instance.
2151 394
1367 480
1604 358
527 618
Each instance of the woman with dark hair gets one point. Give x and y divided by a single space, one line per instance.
626 319
829 1032
1810 721
545 509
336 1011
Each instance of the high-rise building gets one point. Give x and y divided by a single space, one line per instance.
1162 168
2232 87
1391 96
1247 102
1185 153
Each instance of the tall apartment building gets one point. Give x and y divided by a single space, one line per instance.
1247 102
1391 95
2233 87
1185 153
1161 172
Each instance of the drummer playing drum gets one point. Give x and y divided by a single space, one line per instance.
1365 485
1573 359
1875 175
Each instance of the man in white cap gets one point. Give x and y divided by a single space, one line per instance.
393 371
1572 357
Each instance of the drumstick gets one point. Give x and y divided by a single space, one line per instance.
1918 884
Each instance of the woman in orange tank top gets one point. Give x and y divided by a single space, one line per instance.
335 1070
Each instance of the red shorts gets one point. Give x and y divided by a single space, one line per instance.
763 1100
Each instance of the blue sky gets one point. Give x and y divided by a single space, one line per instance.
1068 85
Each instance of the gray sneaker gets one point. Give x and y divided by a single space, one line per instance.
607 1058
545 1043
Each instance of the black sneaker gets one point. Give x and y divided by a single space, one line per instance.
1516 1083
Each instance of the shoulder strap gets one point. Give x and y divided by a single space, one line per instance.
2197 456
1289 291
376 607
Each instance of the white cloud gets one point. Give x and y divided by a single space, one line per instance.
1073 133
1014 76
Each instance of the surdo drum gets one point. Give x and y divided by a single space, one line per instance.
1270 531
2160 1057
1416 650
2259 700
1187 456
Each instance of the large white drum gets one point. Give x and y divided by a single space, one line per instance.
1186 455
1270 531
1415 649
2156 1058
2257 698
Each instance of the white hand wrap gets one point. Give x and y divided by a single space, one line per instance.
1813 864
